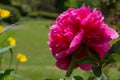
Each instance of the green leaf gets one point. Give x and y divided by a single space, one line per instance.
5 37
115 48
77 78
96 70
5 48
86 60
114 41
91 78
1 76
116 58
112 59
95 54
5 73
52 79
109 61
8 27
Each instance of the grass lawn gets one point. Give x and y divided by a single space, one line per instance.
32 37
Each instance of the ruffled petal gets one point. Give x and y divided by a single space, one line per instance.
63 63
75 44
110 31
101 49
61 54
86 67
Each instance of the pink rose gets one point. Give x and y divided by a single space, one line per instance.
75 27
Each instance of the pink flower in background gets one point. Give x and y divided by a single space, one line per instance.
75 27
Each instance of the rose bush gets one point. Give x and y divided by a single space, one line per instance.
75 28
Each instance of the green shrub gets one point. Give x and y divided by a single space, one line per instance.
8 2
78 3
23 9
15 15
33 14
45 14
61 5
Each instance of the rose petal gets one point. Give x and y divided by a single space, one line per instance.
110 31
63 63
86 67
101 49
75 44
61 54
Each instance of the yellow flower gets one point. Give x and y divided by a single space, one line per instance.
21 57
12 41
4 13
1 28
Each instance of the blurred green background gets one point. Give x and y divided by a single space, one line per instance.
35 17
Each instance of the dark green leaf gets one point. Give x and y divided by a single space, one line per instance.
6 48
95 54
51 79
1 76
109 61
96 70
112 59
86 60
91 78
77 78
102 62
5 73
8 71
114 49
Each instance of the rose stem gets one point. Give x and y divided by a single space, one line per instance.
72 64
